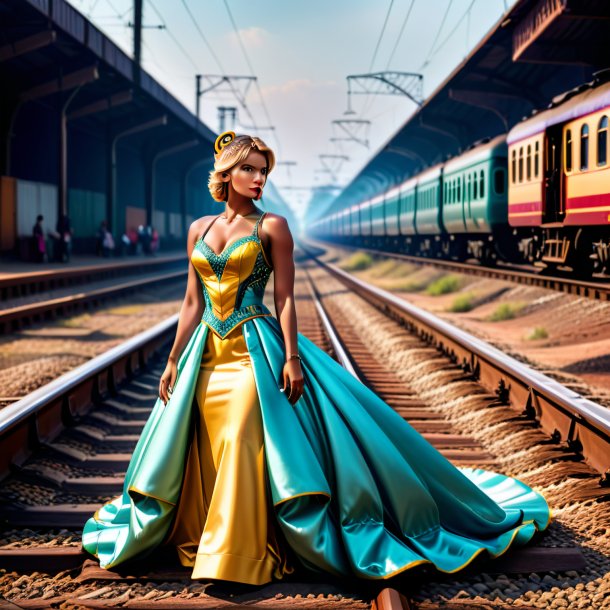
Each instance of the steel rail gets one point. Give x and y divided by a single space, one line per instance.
565 415
44 413
44 279
588 289
340 351
36 310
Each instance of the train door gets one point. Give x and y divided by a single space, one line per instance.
553 176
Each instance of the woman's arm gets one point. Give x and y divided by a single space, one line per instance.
190 316
281 246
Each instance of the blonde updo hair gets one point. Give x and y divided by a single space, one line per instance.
230 155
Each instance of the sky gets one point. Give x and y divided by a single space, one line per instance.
301 53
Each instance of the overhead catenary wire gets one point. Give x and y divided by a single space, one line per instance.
452 32
385 23
252 73
203 37
92 8
171 35
399 38
216 59
438 33
370 100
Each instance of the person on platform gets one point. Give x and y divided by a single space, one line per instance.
143 240
40 247
64 240
154 241
100 235
132 247
262 455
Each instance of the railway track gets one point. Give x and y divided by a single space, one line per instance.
69 444
527 275
25 284
24 311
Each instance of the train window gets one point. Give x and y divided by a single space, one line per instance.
602 141
482 184
514 167
474 187
536 159
568 150
584 146
521 164
499 181
459 190
528 163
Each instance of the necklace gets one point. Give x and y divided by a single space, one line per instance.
240 215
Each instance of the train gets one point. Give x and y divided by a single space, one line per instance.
538 194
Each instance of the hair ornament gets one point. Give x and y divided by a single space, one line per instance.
223 140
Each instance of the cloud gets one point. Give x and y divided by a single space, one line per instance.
253 37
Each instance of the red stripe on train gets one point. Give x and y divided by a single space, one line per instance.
529 206
587 218
588 201
525 221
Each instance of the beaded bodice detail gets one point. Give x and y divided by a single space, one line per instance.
233 281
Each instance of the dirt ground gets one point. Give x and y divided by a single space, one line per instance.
36 356
562 335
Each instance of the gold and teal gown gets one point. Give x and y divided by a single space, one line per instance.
243 485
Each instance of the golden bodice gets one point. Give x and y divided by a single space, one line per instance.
233 281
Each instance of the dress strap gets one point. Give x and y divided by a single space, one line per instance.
209 225
255 228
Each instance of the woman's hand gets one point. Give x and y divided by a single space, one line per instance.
293 377
166 384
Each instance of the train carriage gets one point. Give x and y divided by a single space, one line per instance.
364 221
347 228
559 182
428 220
408 196
335 224
526 192
475 202
353 220
377 220
391 209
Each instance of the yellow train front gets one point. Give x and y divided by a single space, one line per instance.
559 182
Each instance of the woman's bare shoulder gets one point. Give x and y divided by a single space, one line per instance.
199 224
276 229
276 222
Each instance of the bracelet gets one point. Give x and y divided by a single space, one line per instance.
293 356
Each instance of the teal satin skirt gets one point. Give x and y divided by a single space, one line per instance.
354 489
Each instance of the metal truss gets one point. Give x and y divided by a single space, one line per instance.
386 83
353 128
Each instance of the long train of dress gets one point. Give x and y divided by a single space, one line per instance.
348 484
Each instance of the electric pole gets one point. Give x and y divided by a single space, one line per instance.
137 39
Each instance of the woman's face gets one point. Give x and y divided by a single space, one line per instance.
248 177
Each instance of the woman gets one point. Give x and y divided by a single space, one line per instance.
262 453
40 246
